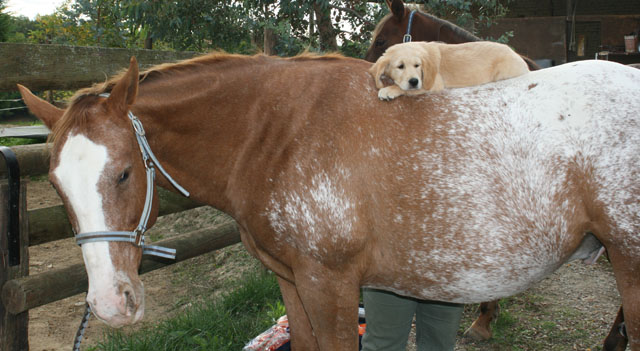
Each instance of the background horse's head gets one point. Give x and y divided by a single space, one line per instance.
389 31
97 169
424 27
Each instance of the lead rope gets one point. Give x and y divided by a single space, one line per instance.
82 328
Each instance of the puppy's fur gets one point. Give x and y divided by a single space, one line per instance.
418 67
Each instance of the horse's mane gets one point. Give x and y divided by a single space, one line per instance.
207 59
78 111
465 34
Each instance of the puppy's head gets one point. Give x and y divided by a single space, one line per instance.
403 64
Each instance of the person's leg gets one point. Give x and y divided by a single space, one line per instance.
388 318
436 325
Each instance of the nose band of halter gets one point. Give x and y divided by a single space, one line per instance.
407 37
136 237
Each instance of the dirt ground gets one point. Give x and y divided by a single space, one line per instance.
589 291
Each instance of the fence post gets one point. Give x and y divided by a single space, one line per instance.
14 251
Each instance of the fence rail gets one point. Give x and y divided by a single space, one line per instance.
63 67
43 67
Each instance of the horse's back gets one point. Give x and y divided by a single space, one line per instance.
494 185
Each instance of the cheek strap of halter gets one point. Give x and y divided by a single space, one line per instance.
407 37
136 237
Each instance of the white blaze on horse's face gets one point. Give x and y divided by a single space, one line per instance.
80 167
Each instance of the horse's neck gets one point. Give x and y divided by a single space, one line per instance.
446 31
191 123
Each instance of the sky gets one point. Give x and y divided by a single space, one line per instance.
31 8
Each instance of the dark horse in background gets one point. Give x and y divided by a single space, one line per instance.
421 26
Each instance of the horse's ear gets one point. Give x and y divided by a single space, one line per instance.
397 8
46 112
124 93
388 3
430 64
378 69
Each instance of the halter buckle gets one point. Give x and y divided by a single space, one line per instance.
137 125
139 236
406 38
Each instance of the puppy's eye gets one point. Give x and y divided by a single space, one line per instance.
401 66
416 65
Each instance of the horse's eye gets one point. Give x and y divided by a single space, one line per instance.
401 66
380 42
123 177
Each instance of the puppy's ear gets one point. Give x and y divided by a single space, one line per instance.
378 69
430 56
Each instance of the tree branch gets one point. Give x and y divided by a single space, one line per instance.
352 11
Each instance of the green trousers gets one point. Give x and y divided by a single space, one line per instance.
389 318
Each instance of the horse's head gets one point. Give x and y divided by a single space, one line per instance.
389 31
97 169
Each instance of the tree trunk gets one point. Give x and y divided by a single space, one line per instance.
269 41
327 33
148 42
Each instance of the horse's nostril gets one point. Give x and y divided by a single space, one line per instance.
414 82
129 301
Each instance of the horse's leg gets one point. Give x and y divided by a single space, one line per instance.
625 268
481 327
300 328
330 299
616 340
302 337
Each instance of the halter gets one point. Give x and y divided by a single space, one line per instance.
136 237
407 37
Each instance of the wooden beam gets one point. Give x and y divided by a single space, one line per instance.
33 159
62 67
35 132
23 294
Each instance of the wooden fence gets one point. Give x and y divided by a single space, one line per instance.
21 291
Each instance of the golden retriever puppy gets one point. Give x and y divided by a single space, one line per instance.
418 67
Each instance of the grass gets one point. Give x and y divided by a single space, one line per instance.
19 141
525 323
226 324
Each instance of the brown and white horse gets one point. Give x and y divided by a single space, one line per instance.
466 195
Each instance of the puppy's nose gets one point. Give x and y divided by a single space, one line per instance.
414 82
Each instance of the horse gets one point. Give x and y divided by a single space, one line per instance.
465 195
403 24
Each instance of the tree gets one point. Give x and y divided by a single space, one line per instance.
5 22
280 27
317 25
469 14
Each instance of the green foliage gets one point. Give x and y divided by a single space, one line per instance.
469 14
227 324
5 22
232 25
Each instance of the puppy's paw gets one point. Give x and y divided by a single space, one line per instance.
387 93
